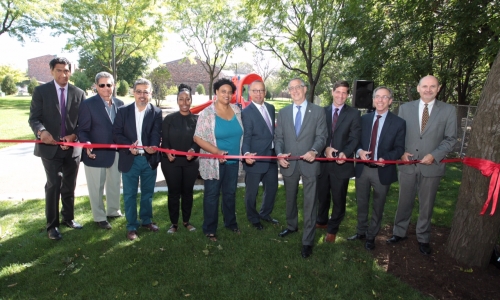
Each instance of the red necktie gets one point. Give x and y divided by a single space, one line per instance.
373 141
63 113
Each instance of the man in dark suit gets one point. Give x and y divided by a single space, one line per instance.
258 135
344 129
382 138
138 124
53 118
300 131
431 133
95 125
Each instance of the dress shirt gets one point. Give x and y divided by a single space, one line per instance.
268 115
380 126
303 107
139 118
58 90
333 110
421 107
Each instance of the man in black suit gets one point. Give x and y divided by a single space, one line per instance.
382 138
53 117
95 125
258 134
344 130
138 124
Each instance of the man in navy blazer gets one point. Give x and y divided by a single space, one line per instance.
343 123
51 125
95 125
138 124
258 135
382 138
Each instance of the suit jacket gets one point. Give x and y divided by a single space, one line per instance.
45 113
125 133
345 139
312 135
257 138
439 136
95 126
391 144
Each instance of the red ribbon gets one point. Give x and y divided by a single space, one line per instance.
487 168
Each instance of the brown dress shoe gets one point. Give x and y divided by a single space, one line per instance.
330 238
132 235
151 226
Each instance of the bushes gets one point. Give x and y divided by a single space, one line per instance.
32 85
8 85
123 88
200 89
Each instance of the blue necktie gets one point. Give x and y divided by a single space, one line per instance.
298 121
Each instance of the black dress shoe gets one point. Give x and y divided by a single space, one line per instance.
286 232
72 224
104 224
54 234
424 248
395 239
114 217
370 244
357 236
306 251
258 226
271 220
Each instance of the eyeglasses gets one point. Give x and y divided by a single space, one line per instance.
103 85
258 91
139 92
295 88
377 97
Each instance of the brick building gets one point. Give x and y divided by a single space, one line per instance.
190 72
38 67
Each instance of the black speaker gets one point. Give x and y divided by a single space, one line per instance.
362 94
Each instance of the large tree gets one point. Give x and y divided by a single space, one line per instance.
211 30
21 18
473 235
161 80
16 74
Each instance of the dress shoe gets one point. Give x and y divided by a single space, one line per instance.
104 224
72 224
54 234
306 251
424 248
286 232
271 220
119 215
395 239
258 226
357 236
151 227
370 244
330 238
132 235
321 226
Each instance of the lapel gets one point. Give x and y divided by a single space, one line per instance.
101 109
256 110
433 116
131 114
342 115
146 122
71 97
415 122
307 117
328 112
385 128
53 94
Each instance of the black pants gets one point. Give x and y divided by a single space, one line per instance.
331 189
180 182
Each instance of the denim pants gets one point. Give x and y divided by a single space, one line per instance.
228 180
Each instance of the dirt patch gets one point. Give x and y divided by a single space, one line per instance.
436 275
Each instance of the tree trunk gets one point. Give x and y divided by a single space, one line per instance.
473 236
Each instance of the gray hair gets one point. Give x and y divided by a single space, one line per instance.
299 79
104 75
383 88
142 81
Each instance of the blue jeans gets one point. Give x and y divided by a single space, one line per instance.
228 180
140 170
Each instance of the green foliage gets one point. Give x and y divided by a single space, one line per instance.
123 88
17 75
200 89
8 85
81 80
160 78
32 85
268 94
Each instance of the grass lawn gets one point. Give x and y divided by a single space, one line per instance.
14 114
96 264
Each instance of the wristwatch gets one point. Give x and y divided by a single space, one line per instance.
314 150
39 133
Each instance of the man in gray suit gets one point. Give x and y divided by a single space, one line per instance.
95 125
431 133
300 131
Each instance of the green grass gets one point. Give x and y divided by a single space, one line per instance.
95 264
14 114
279 104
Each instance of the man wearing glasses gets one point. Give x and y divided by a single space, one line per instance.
138 125
258 134
95 126
300 132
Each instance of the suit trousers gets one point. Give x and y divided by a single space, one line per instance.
369 178
270 184
140 170
180 181
61 172
427 188
97 180
331 188
310 204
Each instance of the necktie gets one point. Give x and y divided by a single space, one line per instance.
298 121
266 118
334 122
63 113
425 118
373 140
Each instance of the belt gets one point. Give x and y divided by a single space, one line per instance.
370 165
141 154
